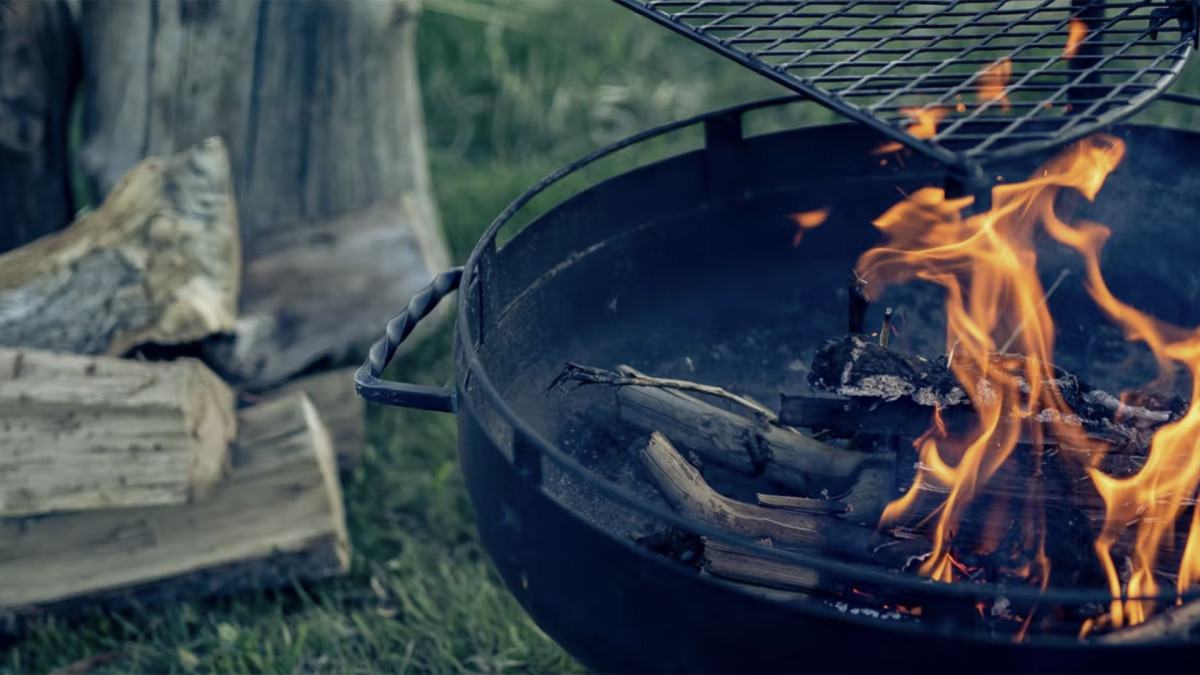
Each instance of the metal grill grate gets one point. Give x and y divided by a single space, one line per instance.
1002 78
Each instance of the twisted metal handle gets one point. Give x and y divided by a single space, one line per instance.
367 380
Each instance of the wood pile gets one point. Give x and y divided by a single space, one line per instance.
177 404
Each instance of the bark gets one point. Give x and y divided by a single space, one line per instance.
157 262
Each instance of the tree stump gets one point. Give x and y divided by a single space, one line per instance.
39 67
319 105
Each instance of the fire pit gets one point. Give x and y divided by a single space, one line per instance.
653 503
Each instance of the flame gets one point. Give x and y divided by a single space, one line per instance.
1077 33
986 263
922 123
807 221
993 80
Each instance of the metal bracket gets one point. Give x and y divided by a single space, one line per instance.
726 158
974 182
1187 12
527 458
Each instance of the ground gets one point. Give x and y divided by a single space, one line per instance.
513 89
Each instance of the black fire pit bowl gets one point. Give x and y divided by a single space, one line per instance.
686 268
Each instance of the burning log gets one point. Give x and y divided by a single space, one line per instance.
158 261
750 446
1170 624
685 489
891 390
85 432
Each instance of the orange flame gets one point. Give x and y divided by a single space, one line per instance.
1077 33
922 123
993 81
986 263
807 221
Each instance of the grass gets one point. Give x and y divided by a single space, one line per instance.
508 99
513 89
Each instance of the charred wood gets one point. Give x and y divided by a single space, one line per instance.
752 446
818 507
859 369
740 564
757 447
684 489
1177 623
626 376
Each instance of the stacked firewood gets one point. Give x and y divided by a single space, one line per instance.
177 401
128 477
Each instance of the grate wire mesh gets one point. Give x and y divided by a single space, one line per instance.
1000 78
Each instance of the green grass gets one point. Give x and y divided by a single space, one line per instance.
513 89
508 98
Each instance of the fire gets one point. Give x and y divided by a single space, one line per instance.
993 81
922 123
1076 35
986 264
807 221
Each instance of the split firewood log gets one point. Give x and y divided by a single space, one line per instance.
95 432
342 410
157 262
278 518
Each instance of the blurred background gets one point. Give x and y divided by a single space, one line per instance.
512 89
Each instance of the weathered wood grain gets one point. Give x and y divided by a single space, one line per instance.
319 103
157 262
342 410
321 293
277 518
39 69
83 432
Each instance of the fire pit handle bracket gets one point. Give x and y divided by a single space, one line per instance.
368 382
725 145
